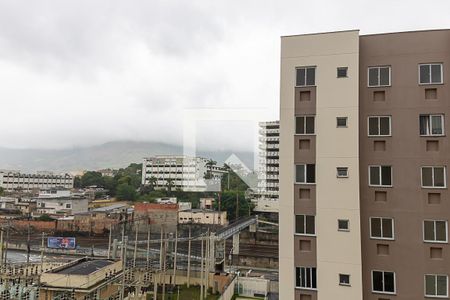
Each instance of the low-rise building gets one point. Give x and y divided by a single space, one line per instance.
157 214
12 181
202 216
84 278
60 203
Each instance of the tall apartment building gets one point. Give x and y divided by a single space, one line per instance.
14 180
266 196
364 201
186 173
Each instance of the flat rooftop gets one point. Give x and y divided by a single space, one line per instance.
85 267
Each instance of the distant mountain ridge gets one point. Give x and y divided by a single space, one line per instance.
109 155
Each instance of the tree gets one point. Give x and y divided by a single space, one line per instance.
92 178
77 182
209 165
126 192
169 185
45 218
230 199
232 181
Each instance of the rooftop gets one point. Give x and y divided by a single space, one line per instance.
85 267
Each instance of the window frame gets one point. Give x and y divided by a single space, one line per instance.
436 287
431 64
304 225
432 177
379 126
384 292
304 124
381 229
430 123
348 225
340 169
306 78
381 184
306 174
310 271
341 118
435 241
341 68
379 85
344 284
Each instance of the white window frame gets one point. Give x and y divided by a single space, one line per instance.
379 126
344 284
381 292
348 225
434 241
379 85
304 124
295 174
341 168
306 78
425 285
337 124
381 229
310 270
432 177
304 225
381 184
431 64
430 116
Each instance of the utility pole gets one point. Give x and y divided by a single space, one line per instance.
1 248
124 268
42 253
189 258
201 270
175 260
148 246
28 246
206 266
6 246
109 241
237 205
165 264
135 244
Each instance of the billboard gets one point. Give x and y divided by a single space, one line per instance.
61 242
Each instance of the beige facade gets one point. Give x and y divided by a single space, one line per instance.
364 166
202 216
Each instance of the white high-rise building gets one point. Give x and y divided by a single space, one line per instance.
15 180
185 173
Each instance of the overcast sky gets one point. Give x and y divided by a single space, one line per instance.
78 73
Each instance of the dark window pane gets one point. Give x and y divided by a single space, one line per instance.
425 74
436 125
310 225
387 228
374 175
341 122
344 279
430 285
427 177
436 74
377 281
308 278
441 231
384 76
439 177
311 173
424 125
297 277
389 285
343 224
375 227
314 278
301 77
386 175
300 125
303 277
385 127
309 125
300 173
341 72
300 224
373 77
310 76
428 228
441 285
373 126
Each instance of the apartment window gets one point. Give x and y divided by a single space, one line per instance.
435 231
68 206
305 173
305 224
343 225
431 125
436 285
344 279
383 282
306 76
342 172
342 72
433 177
341 122
380 176
379 76
379 126
382 228
430 74
304 125
306 277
